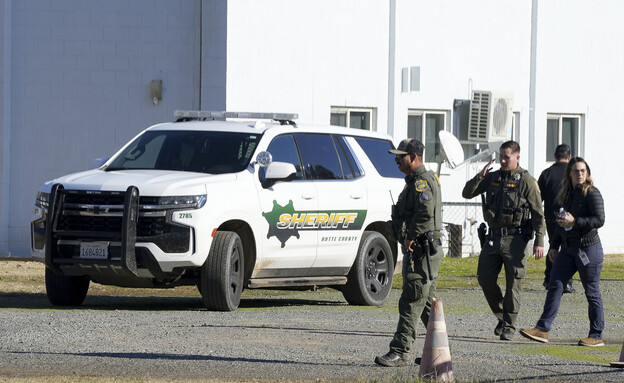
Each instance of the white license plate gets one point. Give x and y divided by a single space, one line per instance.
94 250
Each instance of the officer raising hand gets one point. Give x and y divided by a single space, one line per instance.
487 168
513 211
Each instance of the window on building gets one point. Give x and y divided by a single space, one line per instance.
425 125
357 118
562 129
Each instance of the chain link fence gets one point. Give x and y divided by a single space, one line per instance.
460 221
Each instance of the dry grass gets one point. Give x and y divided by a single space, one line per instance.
22 277
82 379
19 277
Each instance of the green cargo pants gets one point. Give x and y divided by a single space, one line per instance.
416 297
502 251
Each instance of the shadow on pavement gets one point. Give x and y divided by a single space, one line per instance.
149 303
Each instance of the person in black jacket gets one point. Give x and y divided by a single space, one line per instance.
576 249
550 183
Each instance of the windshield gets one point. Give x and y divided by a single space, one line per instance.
191 151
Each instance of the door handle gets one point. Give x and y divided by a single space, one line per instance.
355 195
307 196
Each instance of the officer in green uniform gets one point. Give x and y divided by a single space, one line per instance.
513 211
417 220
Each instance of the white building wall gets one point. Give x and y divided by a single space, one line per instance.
462 46
81 69
81 73
306 56
580 55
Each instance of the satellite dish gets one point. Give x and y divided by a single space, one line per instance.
451 148
454 153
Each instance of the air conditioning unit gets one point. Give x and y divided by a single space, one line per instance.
490 117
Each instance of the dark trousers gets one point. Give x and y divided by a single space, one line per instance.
551 226
566 264
507 251
415 302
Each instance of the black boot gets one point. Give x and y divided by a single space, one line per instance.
390 360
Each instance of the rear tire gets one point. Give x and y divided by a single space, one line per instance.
370 280
221 281
66 290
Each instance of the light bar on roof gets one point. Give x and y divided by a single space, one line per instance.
223 115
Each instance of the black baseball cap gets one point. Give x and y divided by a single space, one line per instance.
409 146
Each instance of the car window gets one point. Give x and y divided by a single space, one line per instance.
192 151
319 157
284 149
377 151
350 168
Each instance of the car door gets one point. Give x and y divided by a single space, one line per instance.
288 248
342 199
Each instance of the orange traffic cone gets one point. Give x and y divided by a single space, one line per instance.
436 357
619 364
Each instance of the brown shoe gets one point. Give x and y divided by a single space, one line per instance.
591 342
535 334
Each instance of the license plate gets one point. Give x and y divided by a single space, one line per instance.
94 250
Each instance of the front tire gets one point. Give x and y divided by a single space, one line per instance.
221 283
66 290
370 280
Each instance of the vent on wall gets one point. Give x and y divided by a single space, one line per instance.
490 116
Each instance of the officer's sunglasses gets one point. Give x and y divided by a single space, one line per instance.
399 157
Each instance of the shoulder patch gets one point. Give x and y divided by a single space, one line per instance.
421 185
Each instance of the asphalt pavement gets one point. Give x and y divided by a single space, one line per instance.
293 336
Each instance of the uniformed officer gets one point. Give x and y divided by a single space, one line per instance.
513 211
417 219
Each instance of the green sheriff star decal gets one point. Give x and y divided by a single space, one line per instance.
272 218
285 221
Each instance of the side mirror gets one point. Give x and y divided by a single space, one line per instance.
279 171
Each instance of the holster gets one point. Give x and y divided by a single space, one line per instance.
528 232
428 247
427 243
482 233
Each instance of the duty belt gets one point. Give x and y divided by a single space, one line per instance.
505 231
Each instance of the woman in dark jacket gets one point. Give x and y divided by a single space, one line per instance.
575 247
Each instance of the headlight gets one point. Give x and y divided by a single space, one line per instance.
42 200
181 202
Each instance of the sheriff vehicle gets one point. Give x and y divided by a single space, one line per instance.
225 201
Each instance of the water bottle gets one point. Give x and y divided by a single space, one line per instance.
562 214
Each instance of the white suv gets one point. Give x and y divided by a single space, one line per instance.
225 204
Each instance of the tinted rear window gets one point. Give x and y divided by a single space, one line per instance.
377 152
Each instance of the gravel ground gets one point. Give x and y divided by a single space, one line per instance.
294 336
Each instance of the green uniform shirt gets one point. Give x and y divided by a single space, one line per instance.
420 204
512 200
